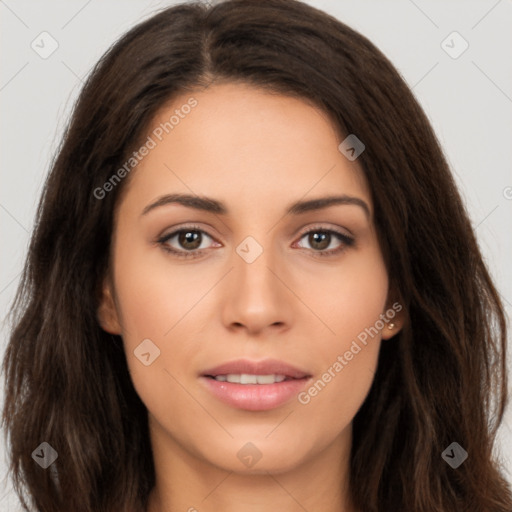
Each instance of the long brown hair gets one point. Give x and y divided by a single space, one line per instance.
442 379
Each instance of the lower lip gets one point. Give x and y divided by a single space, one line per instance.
255 397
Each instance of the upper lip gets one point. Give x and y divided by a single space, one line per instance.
263 367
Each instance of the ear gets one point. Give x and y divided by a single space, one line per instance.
107 312
394 316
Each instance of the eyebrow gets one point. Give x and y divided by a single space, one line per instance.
209 204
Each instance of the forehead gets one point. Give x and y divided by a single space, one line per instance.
247 145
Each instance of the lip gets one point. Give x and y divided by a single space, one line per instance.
256 397
263 367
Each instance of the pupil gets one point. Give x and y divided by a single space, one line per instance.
318 238
188 239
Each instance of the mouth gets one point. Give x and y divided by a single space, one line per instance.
255 385
247 378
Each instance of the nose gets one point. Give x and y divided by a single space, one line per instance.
256 297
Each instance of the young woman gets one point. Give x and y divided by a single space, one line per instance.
253 285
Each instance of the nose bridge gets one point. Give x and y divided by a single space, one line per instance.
253 262
257 297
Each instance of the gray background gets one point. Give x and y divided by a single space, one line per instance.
468 99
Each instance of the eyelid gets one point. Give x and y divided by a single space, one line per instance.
345 239
176 231
325 227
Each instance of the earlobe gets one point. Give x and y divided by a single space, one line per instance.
107 311
395 314
391 329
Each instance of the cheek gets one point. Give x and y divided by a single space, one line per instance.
154 307
154 296
347 299
350 304
155 303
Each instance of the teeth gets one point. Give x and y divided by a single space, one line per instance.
245 378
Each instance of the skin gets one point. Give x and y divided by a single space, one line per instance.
256 152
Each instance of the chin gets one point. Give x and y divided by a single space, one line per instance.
259 456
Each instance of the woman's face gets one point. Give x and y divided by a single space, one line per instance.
250 283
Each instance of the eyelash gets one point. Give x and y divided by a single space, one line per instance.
346 240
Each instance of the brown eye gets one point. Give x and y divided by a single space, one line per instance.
185 242
319 239
189 239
